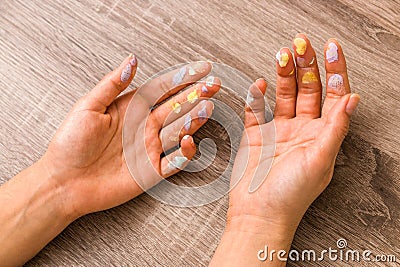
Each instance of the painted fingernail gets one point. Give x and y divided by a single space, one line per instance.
126 73
178 77
193 96
301 46
332 53
282 58
352 104
336 82
309 77
204 89
176 107
133 60
197 68
250 98
210 81
186 137
188 122
202 113
177 162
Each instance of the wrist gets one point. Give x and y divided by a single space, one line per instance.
249 240
258 228
256 220
32 212
56 190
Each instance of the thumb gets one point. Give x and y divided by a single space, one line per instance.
337 123
104 93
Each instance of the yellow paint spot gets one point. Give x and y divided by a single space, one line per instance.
291 73
301 46
193 96
283 59
309 77
176 107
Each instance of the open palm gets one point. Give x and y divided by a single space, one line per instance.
300 145
97 151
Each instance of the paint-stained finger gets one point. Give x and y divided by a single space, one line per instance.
254 112
177 160
186 125
309 85
168 84
104 93
286 85
337 81
182 103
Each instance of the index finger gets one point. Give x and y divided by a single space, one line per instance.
168 84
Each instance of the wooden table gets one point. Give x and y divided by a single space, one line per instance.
53 52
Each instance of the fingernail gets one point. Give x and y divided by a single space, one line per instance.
133 60
197 68
126 73
188 122
332 53
301 46
210 81
202 114
178 77
249 98
204 89
191 141
352 104
282 58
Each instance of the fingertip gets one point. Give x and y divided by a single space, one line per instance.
116 81
300 44
304 52
255 104
212 81
127 69
194 71
203 112
210 86
284 62
335 60
261 85
352 103
188 147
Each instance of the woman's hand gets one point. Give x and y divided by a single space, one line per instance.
307 140
85 168
86 154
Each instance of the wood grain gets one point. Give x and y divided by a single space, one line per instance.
53 52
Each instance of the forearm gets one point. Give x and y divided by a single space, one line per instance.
253 241
32 213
